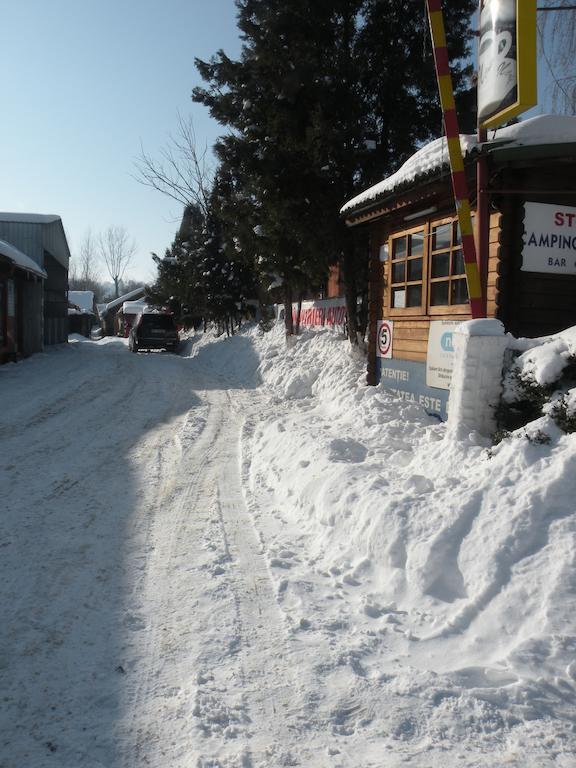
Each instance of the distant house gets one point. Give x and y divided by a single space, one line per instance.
111 316
82 312
131 311
33 283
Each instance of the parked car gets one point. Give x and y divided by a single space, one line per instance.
153 331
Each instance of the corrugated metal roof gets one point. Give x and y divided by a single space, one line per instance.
34 233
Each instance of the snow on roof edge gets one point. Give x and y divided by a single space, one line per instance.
20 259
30 218
121 299
539 130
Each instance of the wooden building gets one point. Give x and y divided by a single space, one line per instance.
418 289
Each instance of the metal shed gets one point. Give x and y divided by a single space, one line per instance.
42 238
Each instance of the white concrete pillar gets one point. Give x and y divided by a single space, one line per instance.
476 386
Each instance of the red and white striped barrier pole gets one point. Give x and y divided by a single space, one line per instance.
459 185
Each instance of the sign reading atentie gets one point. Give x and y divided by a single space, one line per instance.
549 239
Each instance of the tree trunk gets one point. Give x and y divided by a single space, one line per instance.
298 314
288 320
350 291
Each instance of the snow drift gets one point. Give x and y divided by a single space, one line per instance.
458 557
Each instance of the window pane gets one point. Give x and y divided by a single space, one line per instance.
399 298
439 293
399 248
399 272
459 292
458 263
441 265
441 237
416 243
414 295
414 269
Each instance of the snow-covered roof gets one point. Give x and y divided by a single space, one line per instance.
82 299
121 299
541 130
20 259
30 218
134 307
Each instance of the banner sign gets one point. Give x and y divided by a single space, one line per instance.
440 354
506 60
384 337
549 239
406 380
322 312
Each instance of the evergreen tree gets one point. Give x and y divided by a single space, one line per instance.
325 99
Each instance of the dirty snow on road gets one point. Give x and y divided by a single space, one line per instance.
241 556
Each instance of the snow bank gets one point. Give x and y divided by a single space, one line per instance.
439 570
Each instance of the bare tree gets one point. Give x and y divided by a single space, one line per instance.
117 251
83 273
557 43
88 262
182 172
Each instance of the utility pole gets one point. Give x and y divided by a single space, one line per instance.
459 184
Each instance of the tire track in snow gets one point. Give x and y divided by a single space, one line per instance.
214 685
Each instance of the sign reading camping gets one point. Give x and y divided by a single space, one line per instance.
385 335
506 60
549 239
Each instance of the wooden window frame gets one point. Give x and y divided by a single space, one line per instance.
444 309
420 310
425 310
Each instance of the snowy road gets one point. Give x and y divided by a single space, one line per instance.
141 624
203 568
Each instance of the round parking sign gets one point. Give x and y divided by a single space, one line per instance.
385 333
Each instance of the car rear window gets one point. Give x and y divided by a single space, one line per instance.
157 321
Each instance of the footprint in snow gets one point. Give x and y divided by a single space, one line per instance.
418 484
347 450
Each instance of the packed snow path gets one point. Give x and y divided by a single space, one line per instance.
203 568
142 623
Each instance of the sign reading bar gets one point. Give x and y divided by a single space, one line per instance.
506 60
549 239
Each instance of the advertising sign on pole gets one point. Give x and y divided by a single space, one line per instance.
385 334
549 239
506 60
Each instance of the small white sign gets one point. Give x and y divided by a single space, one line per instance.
440 354
385 334
549 239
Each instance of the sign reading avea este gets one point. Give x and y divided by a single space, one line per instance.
549 239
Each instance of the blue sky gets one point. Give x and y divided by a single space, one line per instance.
84 82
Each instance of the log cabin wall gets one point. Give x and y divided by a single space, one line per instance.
412 286
531 304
